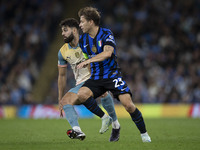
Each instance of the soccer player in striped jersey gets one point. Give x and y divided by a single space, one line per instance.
70 53
99 44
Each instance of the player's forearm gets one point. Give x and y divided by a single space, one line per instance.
100 57
61 86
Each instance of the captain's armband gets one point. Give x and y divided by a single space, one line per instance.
85 56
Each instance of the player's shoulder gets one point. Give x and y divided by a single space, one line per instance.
106 31
64 47
81 37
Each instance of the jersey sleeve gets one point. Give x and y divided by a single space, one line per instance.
109 40
61 61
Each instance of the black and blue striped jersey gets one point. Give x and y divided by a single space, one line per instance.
93 46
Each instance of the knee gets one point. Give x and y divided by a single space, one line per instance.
83 95
64 101
69 99
127 102
130 107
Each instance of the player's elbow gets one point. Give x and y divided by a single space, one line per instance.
61 76
108 54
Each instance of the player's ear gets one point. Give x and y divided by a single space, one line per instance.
74 30
91 22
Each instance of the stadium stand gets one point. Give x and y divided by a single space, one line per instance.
26 31
158 46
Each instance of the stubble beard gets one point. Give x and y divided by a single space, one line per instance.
69 38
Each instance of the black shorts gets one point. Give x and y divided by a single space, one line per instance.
115 85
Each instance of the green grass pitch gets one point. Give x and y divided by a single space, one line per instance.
50 134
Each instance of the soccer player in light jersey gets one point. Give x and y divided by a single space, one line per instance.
99 44
71 53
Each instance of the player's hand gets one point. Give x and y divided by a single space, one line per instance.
82 64
61 109
61 113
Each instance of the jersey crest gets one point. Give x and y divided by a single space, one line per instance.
77 54
94 49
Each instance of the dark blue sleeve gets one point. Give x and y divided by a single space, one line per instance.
109 40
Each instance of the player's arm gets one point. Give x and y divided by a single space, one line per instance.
107 53
61 87
62 78
61 82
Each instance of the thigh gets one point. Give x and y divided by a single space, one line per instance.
117 86
84 93
70 98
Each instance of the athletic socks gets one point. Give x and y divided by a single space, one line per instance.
91 105
138 119
108 104
115 124
71 115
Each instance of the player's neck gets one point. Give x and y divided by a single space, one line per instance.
74 42
93 31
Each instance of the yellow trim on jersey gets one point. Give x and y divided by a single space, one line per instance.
64 48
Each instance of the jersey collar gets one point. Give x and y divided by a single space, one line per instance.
96 34
73 47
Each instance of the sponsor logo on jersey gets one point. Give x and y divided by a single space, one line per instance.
85 46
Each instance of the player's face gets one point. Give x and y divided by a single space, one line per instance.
84 24
67 34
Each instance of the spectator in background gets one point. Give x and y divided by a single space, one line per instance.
158 47
24 40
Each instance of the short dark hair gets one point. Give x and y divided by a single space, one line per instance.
70 22
90 13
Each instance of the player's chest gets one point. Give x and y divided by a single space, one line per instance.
93 47
73 56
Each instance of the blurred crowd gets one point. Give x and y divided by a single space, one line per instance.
158 46
26 30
